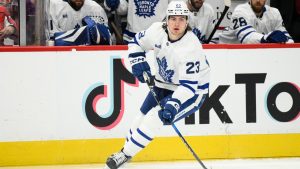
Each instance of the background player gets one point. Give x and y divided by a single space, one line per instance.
255 22
181 79
140 14
78 22
201 19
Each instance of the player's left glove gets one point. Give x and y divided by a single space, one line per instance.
139 65
171 108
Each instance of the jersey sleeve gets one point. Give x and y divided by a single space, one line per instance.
243 27
144 41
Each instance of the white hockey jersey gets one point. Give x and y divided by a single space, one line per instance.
247 28
180 66
203 20
62 17
142 13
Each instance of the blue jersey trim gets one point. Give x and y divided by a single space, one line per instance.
246 36
247 27
188 82
189 87
130 34
137 54
205 86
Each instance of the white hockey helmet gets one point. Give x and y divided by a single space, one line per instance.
178 8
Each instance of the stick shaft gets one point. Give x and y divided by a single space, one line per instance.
217 24
147 79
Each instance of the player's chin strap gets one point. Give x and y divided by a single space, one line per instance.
148 81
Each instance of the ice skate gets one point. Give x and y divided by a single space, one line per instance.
116 160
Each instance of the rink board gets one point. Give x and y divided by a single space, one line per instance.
45 93
161 149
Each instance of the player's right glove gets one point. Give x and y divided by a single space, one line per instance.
171 108
274 37
139 65
112 4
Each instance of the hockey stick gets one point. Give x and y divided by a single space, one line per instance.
118 34
147 79
227 6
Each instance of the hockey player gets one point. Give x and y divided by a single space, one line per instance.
254 22
140 14
7 25
201 19
181 78
78 22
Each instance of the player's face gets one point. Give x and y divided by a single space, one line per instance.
177 25
197 4
258 5
77 4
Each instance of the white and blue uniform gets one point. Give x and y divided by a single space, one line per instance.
182 73
62 17
247 28
203 21
68 22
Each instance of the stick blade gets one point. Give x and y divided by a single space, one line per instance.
227 3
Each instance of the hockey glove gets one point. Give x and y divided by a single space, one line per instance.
98 32
112 4
171 108
274 37
139 65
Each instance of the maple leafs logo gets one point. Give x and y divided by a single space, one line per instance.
163 70
145 8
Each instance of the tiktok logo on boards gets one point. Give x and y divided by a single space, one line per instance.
120 75
116 99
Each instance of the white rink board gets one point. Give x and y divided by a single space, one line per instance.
42 93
